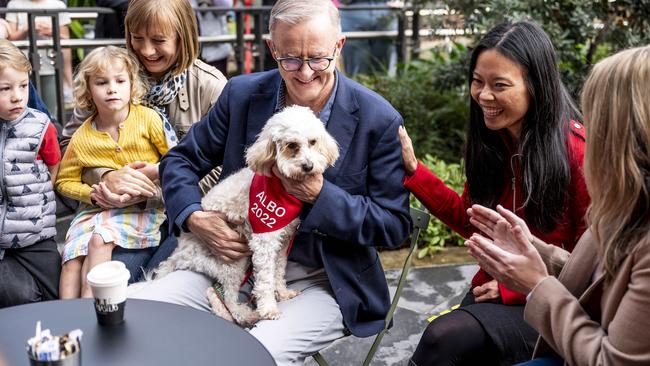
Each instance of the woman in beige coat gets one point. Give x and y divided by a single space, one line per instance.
597 311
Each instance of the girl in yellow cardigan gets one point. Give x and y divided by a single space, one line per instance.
119 132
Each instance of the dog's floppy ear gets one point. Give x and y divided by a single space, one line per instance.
329 148
260 156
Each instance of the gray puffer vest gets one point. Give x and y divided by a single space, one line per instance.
28 209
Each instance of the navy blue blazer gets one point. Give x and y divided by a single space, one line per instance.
362 203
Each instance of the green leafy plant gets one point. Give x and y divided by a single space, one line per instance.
438 235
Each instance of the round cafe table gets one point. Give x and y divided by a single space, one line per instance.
153 333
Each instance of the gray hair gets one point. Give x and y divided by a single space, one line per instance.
296 11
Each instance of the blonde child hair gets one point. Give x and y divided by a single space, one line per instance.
97 62
170 17
11 56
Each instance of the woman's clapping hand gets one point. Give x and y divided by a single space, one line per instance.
508 254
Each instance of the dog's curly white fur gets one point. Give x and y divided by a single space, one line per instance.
296 141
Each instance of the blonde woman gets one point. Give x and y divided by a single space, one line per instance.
163 36
597 311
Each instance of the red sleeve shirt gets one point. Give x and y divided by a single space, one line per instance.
451 208
50 152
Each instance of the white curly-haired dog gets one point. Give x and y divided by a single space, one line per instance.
295 141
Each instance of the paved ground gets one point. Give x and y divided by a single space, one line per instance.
428 291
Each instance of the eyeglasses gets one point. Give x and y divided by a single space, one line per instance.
315 63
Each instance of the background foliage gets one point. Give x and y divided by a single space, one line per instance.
582 31
434 107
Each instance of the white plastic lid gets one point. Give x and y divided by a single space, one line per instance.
108 274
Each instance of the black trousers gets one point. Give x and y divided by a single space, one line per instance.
30 274
454 339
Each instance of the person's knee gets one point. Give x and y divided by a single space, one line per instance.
451 339
430 349
17 286
283 355
72 266
25 293
292 347
97 245
179 287
437 333
285 346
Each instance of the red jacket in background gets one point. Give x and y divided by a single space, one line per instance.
450 208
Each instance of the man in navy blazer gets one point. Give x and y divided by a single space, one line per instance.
354 206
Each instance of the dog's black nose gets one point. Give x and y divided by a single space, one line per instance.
307 167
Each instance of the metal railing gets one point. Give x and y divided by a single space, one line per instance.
33 44
403 37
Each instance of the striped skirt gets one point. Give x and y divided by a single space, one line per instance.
132 227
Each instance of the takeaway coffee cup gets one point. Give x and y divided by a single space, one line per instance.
108 282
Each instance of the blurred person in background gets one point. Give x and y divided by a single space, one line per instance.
35 100
213 23
4 29
19 29
111 25
4 26
369 56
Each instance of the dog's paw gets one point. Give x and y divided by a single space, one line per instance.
217 306
245 316
270 313
286 294
250 319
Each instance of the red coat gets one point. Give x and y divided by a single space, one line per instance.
451 208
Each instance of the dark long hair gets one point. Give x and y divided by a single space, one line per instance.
543 140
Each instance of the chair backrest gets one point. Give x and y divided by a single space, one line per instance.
420 222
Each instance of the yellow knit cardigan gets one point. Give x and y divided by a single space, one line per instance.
141 138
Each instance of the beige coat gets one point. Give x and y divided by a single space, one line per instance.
586 319
203 86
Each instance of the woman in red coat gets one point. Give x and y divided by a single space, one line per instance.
524 151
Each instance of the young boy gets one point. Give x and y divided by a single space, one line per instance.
30 264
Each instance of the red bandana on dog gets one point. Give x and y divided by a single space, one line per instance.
270 207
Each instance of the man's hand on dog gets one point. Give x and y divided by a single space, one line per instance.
222 241
306 190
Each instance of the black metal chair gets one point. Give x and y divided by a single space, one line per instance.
420 222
